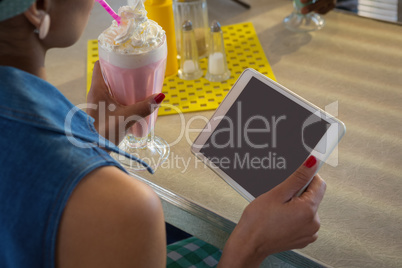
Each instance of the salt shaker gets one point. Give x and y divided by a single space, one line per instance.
189 62
217 65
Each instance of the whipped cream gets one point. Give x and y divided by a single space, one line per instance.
136 33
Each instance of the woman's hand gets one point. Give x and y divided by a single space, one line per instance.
319 6
277 220
112 119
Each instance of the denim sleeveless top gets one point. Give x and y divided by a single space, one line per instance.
47 145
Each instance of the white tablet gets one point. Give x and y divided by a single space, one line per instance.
262 132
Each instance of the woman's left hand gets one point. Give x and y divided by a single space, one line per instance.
112 119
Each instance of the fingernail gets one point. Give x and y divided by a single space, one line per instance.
159 98
310 162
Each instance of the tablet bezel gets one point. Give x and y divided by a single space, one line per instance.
331 137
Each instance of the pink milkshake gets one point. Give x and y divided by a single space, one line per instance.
134 77
132 56
133 61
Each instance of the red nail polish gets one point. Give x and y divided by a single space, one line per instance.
159 98
310 162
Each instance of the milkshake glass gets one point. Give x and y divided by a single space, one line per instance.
299 22
132 57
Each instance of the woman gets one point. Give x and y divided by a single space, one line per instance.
63 205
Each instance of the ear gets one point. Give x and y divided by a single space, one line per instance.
35 14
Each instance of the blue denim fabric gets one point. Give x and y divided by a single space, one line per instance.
40 165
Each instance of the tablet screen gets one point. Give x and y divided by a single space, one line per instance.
262 138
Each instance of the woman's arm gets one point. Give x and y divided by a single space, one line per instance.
111 220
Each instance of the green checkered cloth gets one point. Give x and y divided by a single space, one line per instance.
192 253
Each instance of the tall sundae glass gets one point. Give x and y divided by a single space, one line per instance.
132 56
299 22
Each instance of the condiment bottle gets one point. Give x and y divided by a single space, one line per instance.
195 11
189 62
161 11
217 65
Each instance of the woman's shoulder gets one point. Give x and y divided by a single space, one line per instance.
109 187
111 218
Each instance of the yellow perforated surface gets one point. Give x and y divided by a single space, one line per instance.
243 50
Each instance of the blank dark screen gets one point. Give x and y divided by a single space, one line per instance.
259 141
